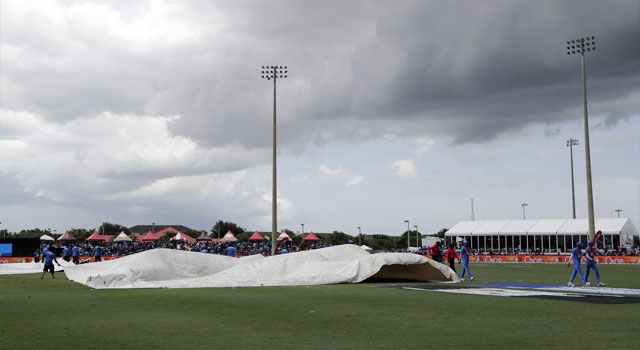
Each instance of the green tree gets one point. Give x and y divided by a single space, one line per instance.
337 238
440 233
244 236
80 233
108 228
34 233
192 233
222 227
402 242
380 242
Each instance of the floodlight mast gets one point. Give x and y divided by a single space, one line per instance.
580 46
570 144
274 73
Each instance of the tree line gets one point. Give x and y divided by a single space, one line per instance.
220 228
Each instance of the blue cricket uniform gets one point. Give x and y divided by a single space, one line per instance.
576 253
591 264
230 251
74 252
97 253
464 255
49 258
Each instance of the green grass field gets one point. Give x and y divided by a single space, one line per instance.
58 313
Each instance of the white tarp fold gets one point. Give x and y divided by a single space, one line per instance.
166 268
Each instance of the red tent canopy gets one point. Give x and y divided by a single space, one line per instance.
96 237
311 237
149 237
67 237
204 237
256 237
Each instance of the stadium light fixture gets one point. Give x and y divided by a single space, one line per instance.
580 46
570 144
359 233
417 236
524 216
618 211
274 73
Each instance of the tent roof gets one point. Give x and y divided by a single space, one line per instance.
96 237
256 237
67 237
122 237
490 227
283 235
517 227
228 237
204 237
46 238
311 237
616 225
463 228
542 227
149 237
574 226
547 226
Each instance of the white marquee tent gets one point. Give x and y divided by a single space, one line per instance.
545 235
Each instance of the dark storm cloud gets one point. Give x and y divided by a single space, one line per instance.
465 69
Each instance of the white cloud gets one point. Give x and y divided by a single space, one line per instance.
355 181
107 156
332 173
340 173
424 145
405 168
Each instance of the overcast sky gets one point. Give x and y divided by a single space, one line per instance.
135 112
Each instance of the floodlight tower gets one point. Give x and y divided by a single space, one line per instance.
580 46
524 216
274 73
570 144
417 236
618 211
359 234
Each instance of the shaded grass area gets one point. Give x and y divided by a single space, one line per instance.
52 313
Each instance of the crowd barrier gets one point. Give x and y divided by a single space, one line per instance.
549 259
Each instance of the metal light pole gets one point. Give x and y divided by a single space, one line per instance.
359 234
570 144
408 243
274 73
473 215
580 46
524 217
302 229
417 236
153 227
618 211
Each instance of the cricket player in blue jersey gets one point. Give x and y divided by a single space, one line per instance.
66 254
48 259
464 257
75 255
576 255
590 258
